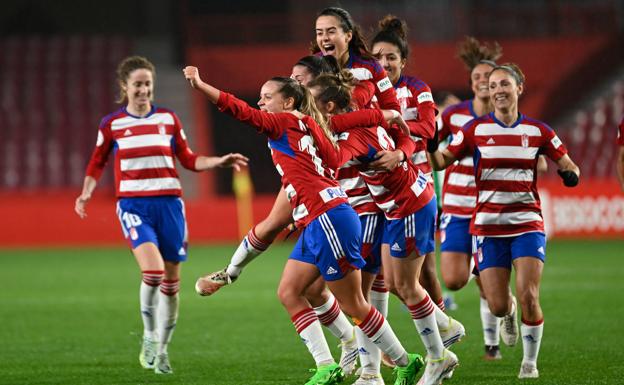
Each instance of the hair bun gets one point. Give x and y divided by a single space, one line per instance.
391 23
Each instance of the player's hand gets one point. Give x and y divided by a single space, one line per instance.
433 143
192 75
80 206
234 160
570 179
387 160
394 117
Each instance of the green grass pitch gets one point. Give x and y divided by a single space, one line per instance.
70 316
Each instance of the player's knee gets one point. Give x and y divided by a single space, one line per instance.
529 301
499 307
454 282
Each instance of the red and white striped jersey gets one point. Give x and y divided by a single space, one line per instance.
505 170
397 193
370 71
620 136
299 149
144 148
459 192
419 111
349 177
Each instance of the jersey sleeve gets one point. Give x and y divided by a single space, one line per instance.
182 150
385 92
445 130
403 142
265 122
620 135
103 147
461 145
360 118
422 118
362 94
333 156
553 146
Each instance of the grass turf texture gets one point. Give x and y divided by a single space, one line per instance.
71 317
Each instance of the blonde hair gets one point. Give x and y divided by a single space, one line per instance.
126 67
335 88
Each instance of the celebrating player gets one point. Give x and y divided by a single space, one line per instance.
145 138
507 220
620 160
329 245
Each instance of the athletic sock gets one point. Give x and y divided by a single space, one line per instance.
381 334
250 247
168 303
309 329
531 339
330 316
490 323
425 321
148 299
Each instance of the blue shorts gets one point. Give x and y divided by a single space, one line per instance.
372 233
159 220
501 251
331 242
455 234
415 232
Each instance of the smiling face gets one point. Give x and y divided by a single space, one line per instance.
271 100
389 57
331 38
139 89
302 74
504 91
479 80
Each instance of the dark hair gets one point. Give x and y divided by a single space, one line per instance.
303 101
126 67
335 88
472 53
512 69
357 43
394 31
319 64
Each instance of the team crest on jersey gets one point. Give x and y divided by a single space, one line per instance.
133 234
525 140
161 129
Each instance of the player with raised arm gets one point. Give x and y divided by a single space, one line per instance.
507 220
145 139
330 240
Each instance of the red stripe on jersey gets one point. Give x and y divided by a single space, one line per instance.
149 173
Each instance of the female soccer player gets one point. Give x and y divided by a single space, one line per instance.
620 160
145 138
459 191
507 220
405 197
330 240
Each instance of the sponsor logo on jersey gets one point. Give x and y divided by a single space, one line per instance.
395 247
331 193
384 84
490 141
134 235
524 140
425 97
343 136
556 142
457 139
331 271
127 132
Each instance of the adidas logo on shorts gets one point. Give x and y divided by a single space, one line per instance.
331 270
395 247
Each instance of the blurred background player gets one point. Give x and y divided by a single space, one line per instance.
620 156
507 220
329 245
459 190
145 139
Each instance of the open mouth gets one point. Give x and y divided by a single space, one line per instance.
329 49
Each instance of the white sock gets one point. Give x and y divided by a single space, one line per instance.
309 329
333 318
378 330
148 299
531 340
250 247
441 318
168 303
490 323
423 314
370 355
380 301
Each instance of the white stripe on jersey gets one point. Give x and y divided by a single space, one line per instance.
130 121
290 192
507 218
459 120
460 200
489 129
300 212
457 179
388 206
139 141
508 152
505 197
330 234
352 162
361 73
351 183
508 174
419 157
410 113
151 184
377 190
403 93
356 201
146 162
467 161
